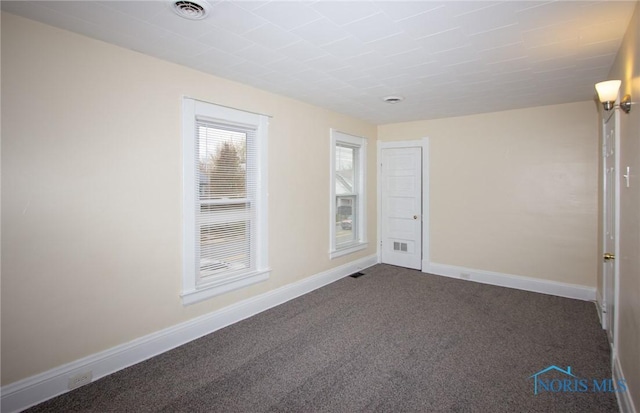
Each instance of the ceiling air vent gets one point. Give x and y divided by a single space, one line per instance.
190 9
393 99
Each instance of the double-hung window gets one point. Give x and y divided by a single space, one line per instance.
348 221
224 200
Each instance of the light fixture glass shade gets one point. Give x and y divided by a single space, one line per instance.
608 91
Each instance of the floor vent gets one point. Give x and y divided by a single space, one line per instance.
356 275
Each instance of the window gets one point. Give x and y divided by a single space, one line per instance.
348 201
224 200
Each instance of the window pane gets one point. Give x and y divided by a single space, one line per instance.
346 220
345 167
348 212
222 163
224 247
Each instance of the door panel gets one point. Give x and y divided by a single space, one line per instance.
610 223
401 209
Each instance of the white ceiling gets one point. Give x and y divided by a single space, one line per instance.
447 58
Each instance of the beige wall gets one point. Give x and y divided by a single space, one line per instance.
513 192
91 202
627 68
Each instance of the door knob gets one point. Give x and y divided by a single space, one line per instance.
608 256
415 217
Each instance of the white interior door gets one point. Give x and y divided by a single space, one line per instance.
610 220
401 207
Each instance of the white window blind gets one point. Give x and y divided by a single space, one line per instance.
226 187
346 169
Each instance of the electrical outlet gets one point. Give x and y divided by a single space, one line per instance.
465 275
80 379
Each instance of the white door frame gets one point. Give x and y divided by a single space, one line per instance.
418 143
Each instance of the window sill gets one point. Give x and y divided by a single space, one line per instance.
348 249
206 291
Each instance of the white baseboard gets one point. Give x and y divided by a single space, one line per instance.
512 281
41 387
624 398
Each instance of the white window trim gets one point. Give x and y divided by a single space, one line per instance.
361 241
192 291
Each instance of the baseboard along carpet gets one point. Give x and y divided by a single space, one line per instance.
392 340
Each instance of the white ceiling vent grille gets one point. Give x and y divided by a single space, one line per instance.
190 9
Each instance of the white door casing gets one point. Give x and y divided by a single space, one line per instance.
610 221
401 206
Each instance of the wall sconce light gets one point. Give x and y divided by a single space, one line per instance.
608 93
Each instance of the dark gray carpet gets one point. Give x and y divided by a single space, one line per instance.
393 340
